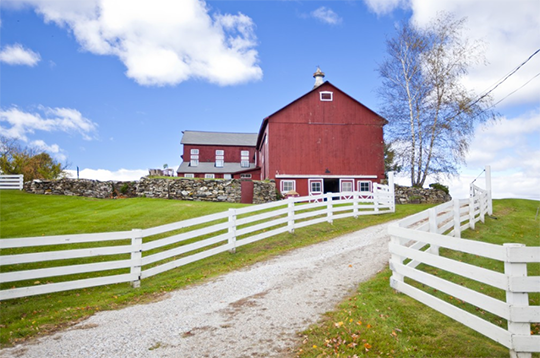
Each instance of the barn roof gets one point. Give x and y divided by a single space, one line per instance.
219 138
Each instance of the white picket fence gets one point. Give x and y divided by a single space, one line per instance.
131 256
418 239
11 181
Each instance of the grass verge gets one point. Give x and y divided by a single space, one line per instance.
379 322
24 215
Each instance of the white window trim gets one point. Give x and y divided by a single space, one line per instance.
359 186
245 176
227 176
320 181
287 181
326 92
209 176
343 181
189 175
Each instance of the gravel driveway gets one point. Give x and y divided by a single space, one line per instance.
253 312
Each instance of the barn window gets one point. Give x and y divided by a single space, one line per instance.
288 185
227 176
245 176
327 96
244 159
316 187
189 175
220 155
364 186
209 176
194 158
346 186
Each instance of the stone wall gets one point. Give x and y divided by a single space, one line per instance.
180 189
411 195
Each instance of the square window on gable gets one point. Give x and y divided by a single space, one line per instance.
327 96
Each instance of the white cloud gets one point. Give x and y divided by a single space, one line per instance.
104 175
162 42
18 55
54 149
46 119
510 31
382 7
326 15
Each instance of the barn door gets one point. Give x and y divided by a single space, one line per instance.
316 188
346 188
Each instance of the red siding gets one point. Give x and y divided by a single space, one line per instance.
339 137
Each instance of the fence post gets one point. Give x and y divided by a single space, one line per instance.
471 212
329 208
355 204
482 204
488 189
290 214
392 191
232 231
395 259
136 257
433 228
375 199
457 221
516 299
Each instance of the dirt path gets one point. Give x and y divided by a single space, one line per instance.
253 312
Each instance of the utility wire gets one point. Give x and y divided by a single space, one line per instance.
517 89
506 77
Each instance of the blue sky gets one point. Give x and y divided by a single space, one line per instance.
108 86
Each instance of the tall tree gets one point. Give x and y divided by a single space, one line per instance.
431 114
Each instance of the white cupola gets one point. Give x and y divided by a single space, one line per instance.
319 77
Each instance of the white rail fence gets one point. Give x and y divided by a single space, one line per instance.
28 263
418 239
11 181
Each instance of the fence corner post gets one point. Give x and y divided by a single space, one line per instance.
457 219
433 228
290 214
376 199
395 259
136 257
232 231
355 204
516 299
329 208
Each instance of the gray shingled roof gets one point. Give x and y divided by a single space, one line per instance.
209 167
219 138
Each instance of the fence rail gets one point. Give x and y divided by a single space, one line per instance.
11 181
417 239
88 260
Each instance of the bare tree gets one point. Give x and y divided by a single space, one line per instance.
431 114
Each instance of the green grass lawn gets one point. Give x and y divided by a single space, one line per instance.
379 322
25 215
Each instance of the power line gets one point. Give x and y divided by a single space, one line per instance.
517 89
505 78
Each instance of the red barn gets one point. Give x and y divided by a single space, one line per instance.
324 141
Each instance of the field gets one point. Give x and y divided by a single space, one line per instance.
25 215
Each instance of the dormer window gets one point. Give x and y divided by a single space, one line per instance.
194 159
326 96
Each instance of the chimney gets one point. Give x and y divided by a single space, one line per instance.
319 75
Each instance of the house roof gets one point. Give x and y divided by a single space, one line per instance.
219 138
265 120
209 168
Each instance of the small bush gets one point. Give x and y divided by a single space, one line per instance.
124 189
440 187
